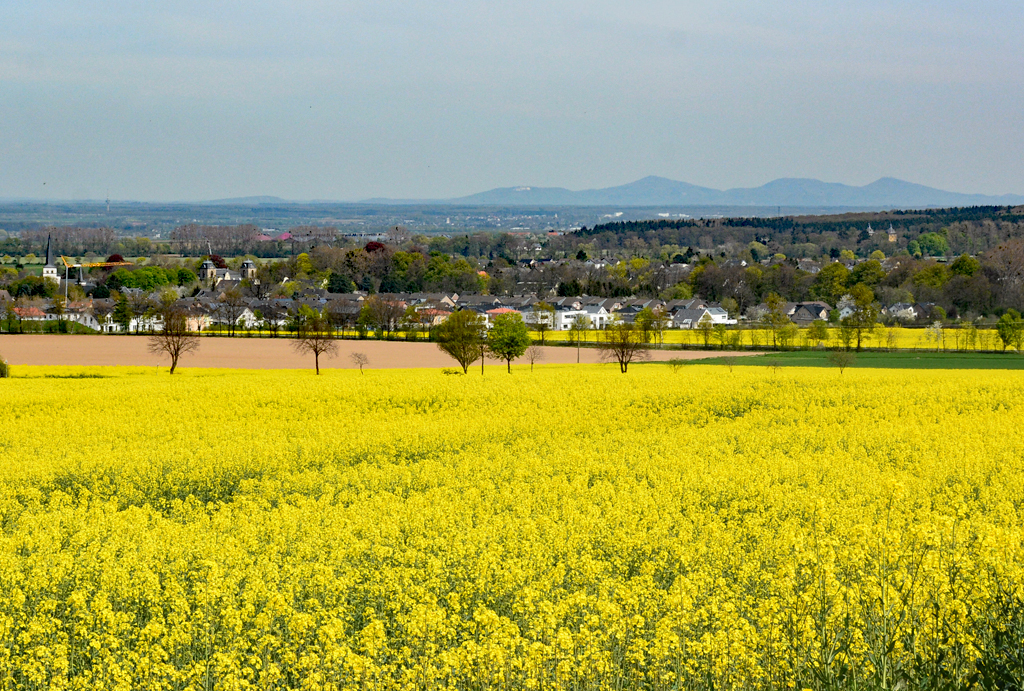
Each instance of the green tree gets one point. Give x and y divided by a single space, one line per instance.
731 306
817 332
461 336
509 338
123 313
680 291
645 322
865 312
721 335
339 283
965 265
185 277
870 273
934 276
1010 328
841 359
787 335
707 329
933 244
775 318
831 283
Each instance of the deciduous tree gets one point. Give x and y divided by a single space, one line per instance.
841 359
509 338
543 318
577 330
383 315
462 337
314 335
534 354
865 312
775 317
359 360
622 342
175 339
1010 328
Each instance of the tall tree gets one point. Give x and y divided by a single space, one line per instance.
383 315
231 307
622 342
707 329
1010 328
314 335
775 318
122 315
831 282
175 339
865 312
509 338
462 337
543 318
578 329
644 322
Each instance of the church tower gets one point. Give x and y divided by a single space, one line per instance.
50 269
248 270
207 272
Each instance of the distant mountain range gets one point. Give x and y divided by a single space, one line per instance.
790 192
246 201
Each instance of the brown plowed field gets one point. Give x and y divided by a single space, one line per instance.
254 353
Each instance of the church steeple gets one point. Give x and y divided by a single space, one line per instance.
50 269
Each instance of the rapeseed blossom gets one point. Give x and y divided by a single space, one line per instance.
566 528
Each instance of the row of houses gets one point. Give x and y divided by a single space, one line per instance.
210 308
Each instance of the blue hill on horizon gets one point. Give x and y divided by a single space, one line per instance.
790 192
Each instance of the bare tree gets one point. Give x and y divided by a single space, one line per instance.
102 310
622 342
257 289
139 303
398 235
384 315
232 306
534 354
359 360
175 339
314 335
578 330
841 359
543 318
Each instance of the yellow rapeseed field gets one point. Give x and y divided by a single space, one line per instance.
948 338
566 528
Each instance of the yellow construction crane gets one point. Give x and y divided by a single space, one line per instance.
90 265
84 265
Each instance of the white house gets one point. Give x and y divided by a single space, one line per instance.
564 318
689 319
599 316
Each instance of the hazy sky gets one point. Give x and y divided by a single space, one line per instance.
329 99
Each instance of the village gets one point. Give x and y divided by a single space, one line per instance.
227 301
